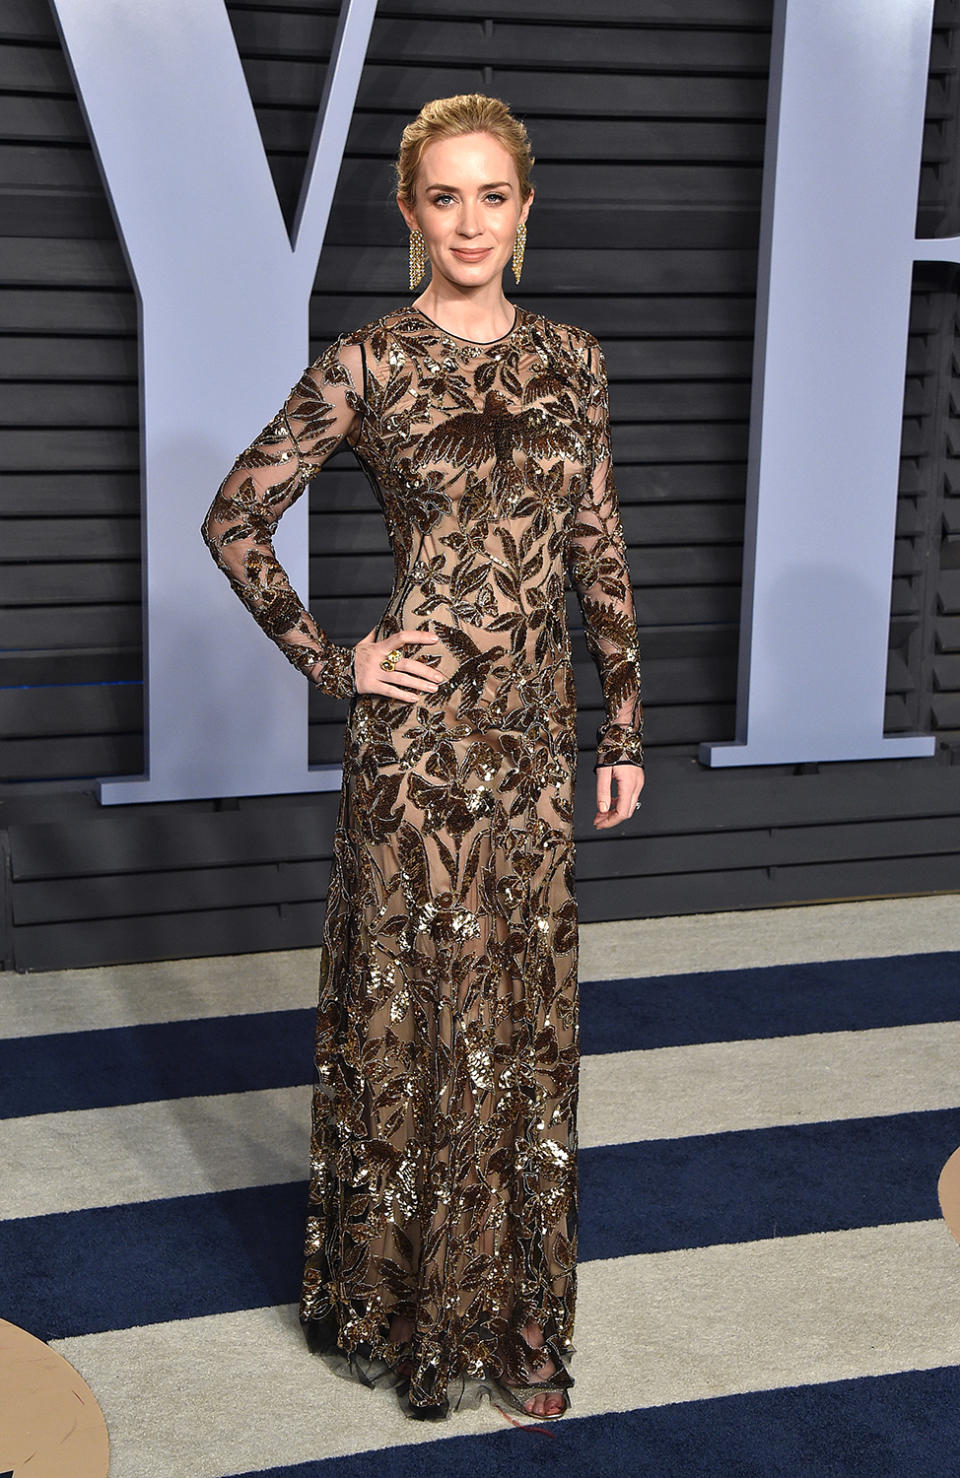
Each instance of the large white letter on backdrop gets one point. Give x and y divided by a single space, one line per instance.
224 333
848 84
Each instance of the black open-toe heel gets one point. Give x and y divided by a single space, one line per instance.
436 1411
558 1384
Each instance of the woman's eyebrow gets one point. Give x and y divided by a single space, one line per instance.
493 184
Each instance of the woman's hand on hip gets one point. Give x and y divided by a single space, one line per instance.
408 678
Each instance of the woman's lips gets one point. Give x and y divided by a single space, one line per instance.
469 256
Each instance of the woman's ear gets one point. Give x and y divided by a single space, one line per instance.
525 209
407 214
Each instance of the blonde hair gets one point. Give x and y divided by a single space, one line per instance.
445 118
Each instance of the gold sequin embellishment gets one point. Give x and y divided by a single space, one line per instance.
443 1164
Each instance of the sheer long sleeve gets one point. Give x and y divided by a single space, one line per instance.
597 561
267 479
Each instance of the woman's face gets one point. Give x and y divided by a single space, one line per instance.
468 207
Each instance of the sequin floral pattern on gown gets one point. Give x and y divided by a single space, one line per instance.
443 1176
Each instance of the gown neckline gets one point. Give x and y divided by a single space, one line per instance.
478 343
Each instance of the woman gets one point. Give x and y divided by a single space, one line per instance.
441 1237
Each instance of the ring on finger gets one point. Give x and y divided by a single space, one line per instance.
391 659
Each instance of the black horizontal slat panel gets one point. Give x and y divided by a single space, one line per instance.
949 587
83 756
43 628
32 494
71 708
49 120
36 261
69 583
109 843
194 889
45 357
55 668
59 310
821 882
170 936
71 538
71 449
33 68
68 405
946 710
76 216
643 857
32 166
404 86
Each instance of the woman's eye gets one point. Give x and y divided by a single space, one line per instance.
493 195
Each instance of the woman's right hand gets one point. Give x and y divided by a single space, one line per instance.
407 679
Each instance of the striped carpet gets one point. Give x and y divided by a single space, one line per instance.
766 1284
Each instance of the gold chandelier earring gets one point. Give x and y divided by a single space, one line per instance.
418 257
518 246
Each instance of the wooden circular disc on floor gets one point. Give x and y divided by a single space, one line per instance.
948 1189
52 1425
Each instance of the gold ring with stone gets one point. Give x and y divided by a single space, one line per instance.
391 659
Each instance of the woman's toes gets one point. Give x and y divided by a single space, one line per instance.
548 1405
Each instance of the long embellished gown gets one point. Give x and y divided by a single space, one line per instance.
443 1175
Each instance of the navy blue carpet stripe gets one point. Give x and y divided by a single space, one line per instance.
137 1064
888 1426
115 1267
770 1001
236 1054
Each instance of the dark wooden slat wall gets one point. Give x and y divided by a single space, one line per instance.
648 125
